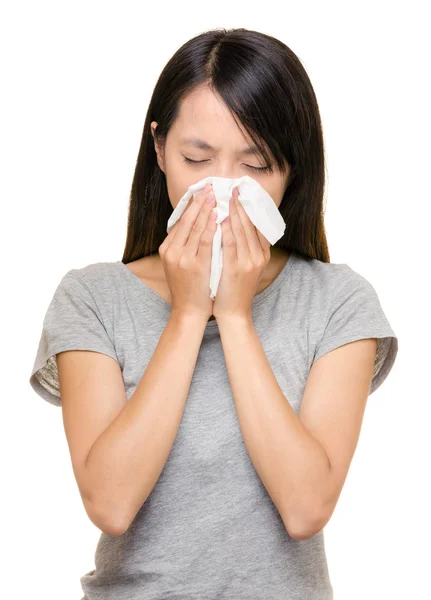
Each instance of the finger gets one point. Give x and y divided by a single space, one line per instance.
169 237
228 242
204 252
238 233
257 243
265 244
202 224
188 218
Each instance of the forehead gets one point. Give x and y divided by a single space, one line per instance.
202 102
202 144
206 123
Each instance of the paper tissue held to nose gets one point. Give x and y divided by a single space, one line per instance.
255 200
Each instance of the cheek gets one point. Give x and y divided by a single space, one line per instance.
276 192
180 176
177 181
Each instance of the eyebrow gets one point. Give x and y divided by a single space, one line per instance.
205 146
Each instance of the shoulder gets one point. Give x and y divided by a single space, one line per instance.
324 274
97 277
96 286
327 279
322 288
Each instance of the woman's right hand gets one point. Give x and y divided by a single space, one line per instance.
186 254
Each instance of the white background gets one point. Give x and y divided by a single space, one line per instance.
77 79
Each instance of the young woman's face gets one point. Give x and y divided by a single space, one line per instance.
203 116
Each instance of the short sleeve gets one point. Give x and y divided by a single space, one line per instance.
72 322
355 313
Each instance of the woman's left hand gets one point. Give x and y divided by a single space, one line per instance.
246 252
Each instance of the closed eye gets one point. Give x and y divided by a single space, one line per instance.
199 162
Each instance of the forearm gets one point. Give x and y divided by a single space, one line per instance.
127 459
292 465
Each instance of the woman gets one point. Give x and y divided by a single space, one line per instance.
210 439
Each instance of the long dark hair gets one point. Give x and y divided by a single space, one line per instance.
268 91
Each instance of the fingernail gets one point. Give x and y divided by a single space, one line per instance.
207 188
210 197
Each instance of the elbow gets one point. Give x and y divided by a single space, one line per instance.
303 532
106 523
304 527
115 527
111 528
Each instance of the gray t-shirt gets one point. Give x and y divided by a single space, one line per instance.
209 529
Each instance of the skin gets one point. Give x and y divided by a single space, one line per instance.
302 459
204 115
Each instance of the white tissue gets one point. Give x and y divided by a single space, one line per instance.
257 203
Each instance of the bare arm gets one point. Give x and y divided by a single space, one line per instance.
302 460
126 460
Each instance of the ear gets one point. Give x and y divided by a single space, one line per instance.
158 147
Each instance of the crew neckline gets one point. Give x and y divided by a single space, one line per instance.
167 307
